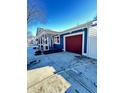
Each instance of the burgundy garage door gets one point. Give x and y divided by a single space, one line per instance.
74 44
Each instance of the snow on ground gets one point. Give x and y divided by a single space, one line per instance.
80 72
30 54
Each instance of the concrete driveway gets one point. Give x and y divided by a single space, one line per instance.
80 72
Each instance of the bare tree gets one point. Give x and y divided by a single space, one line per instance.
34 12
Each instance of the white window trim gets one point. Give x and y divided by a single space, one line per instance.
59 39
74 34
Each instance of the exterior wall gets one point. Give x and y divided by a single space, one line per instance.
49 39
61 45
92 42
45 39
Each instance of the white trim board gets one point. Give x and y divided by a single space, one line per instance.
74 34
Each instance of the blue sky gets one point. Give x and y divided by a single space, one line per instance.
64 14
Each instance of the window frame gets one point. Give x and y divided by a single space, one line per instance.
55 39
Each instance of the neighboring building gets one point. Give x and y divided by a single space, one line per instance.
31 40
81 39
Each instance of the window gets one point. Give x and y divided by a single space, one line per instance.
41 40
46 41
38 41
46 47
57 39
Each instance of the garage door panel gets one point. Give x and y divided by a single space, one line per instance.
74 44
